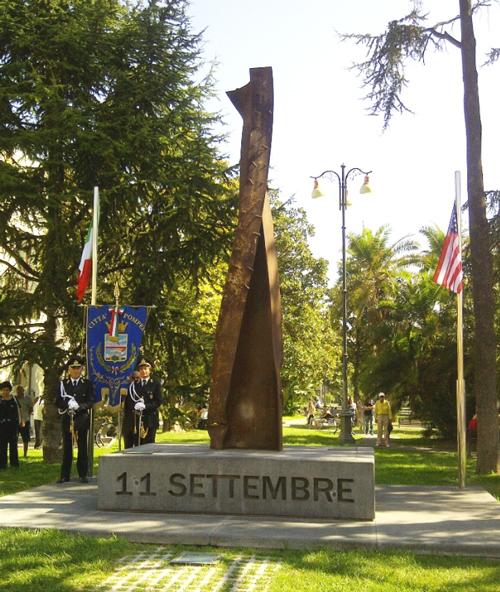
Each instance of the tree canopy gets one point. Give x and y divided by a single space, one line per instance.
311 347
102 93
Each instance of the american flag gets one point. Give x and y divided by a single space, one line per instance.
449 269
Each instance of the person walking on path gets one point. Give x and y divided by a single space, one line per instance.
74 401
26 405
383 415
9 426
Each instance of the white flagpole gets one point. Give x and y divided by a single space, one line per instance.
93 301
461 427
94 245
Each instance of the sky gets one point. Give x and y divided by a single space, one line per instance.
321 120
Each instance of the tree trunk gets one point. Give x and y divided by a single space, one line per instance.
51 419
481 258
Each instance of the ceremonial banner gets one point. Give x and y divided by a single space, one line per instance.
114 335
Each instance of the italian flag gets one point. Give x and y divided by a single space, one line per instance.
85 267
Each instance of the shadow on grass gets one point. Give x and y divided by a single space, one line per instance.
337 569
52 561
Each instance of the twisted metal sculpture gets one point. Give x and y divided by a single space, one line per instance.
245 392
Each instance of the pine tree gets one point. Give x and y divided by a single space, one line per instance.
100 93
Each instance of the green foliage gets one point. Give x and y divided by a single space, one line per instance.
404 40
103 94
180 332
384 71
311 347
374 269
402 326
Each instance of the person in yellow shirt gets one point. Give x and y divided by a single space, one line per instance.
383 415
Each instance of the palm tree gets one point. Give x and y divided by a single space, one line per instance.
374 266
416 344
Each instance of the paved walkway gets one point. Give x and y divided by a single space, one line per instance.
423 519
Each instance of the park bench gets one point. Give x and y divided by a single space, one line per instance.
318 423
405 416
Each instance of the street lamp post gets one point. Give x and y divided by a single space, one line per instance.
345 416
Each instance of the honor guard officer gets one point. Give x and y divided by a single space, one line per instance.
74 401
141 417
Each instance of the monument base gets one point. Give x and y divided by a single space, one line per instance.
334 483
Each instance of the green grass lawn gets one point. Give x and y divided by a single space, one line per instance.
52 561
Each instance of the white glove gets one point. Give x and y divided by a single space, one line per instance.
73 405
139 406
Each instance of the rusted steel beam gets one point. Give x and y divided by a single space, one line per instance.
245 392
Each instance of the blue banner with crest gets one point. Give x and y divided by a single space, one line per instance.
114 335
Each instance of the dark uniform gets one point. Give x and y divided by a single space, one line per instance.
9 425
78 422
147 391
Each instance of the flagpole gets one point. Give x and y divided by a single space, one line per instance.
93 300
461 427
94 245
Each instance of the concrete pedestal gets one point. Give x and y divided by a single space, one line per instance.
335 483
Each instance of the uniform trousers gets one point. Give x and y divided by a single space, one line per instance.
130 439
82 460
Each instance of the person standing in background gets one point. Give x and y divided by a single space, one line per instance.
26 405
9 426
368 413
383 415
310 411
38 421
353 408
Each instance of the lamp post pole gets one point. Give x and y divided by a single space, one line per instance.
345 416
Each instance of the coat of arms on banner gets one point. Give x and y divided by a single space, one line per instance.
114 335
115 348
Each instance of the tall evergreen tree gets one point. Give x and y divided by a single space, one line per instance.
101 93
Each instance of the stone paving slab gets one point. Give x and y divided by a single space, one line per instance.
424 519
